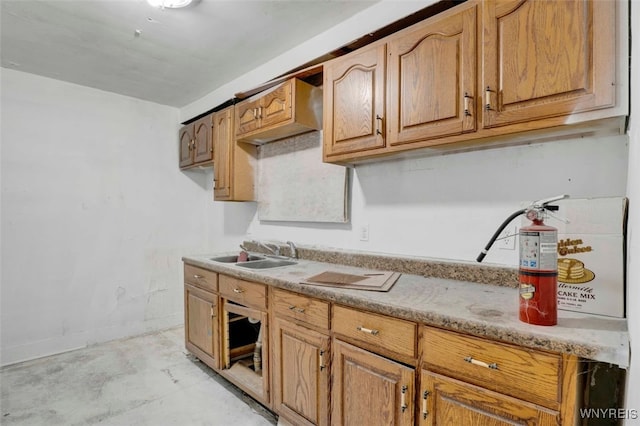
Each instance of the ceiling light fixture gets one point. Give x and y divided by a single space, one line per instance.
169 4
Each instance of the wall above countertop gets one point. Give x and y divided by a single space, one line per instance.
295 186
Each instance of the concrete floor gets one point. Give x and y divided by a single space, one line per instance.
145 380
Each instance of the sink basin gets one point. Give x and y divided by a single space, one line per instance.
234 259
266 263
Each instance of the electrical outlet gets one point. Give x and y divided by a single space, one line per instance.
364 232
507 240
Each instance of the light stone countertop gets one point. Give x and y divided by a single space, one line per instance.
477 309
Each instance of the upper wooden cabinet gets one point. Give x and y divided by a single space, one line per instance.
354 102
556 67
233 172
288 109
432 79
196 143
546 58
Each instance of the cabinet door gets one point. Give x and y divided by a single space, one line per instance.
203 148
369 389
354 102
432 79
301 376
222 154
445 401
276 106
246 116
201 324
186 145
546 58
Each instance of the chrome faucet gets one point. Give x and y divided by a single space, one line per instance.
271 248
293 253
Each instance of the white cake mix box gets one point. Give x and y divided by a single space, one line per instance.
591 255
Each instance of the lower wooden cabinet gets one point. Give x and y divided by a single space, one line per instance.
201 324
318 364
369 389
446 401
300 373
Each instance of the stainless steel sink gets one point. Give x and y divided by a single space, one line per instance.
266 263
234 259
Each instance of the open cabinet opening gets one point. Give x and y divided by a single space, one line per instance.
243 354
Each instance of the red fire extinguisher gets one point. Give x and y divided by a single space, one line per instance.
538 269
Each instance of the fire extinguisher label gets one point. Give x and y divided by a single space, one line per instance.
539 250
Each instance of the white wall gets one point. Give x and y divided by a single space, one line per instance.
449 206
95 216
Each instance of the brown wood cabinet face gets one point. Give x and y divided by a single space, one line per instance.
301 373
243 292
368 389
378 332
445 401
202 278
196 143
222 154
247 118
185 137
306 310
497 366
201 324
276 106
354 102
432 80
203 148
546 58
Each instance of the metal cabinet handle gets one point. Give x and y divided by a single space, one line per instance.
238 290
255 113
321 357
492 366
425 413
378 124
373 332
294 308
403 399
260 112
197 277
467 103
213 312
487 98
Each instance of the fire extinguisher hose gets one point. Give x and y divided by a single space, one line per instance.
495 236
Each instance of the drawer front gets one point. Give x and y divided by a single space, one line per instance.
243 292
392 334
523 373
301 308
201 277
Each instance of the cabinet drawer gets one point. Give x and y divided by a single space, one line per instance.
391 334
243 292
302 308
511 370
201 277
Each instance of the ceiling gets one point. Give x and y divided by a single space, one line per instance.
168 56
